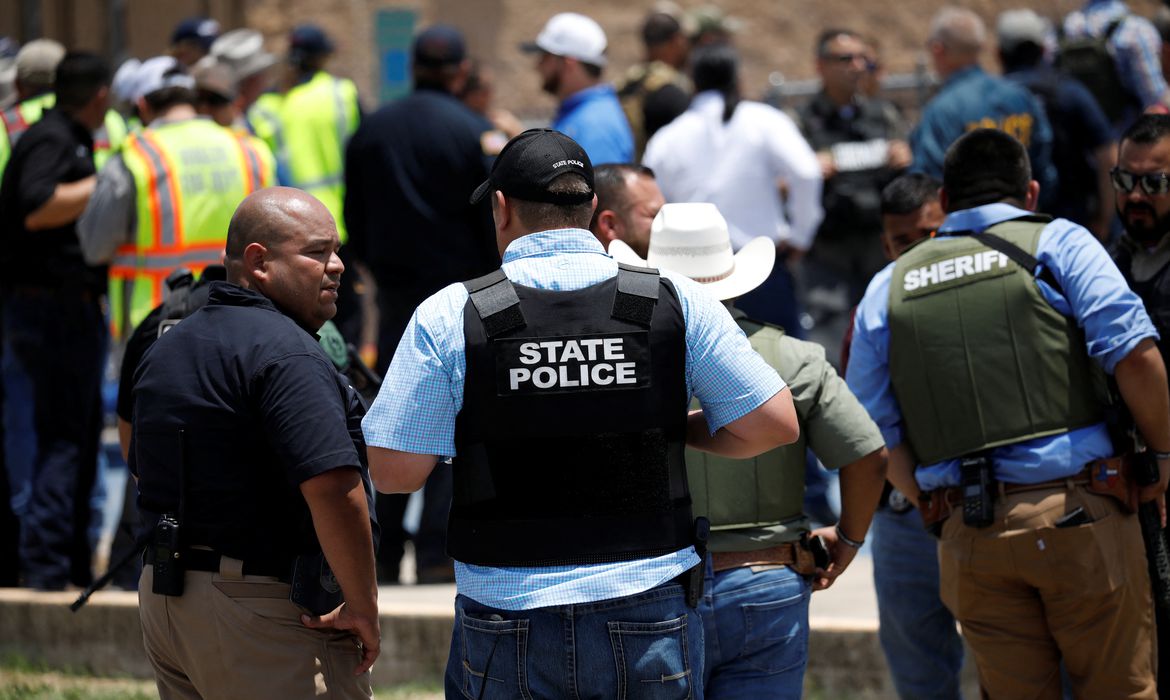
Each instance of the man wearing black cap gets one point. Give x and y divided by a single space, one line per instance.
408 170
558 385
192 39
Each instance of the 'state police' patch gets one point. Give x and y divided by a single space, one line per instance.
599 362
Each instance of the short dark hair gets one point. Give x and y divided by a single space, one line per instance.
591 69
985 166
609 183
1023 55
1148 128
660 28
80 75
542 216
908 193
829 35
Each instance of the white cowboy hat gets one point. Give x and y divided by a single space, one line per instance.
692 239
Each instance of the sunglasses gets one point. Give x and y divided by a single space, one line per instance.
1153 184
843 57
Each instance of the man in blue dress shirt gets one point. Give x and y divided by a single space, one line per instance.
982 364
559 387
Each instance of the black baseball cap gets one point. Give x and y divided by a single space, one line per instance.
439 45
532 160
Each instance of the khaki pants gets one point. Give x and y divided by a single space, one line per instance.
234 636
1028 594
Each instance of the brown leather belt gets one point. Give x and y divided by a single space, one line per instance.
937 505
787 554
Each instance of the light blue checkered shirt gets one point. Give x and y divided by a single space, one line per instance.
423 392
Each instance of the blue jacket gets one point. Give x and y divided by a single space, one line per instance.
971 99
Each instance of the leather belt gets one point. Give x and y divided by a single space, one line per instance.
954 494
208 560
786 554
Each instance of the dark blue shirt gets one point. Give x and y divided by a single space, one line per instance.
263 410
1079 128
971 99
410 169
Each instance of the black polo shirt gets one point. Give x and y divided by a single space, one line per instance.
263 410
55 150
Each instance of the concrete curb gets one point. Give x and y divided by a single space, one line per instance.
104 638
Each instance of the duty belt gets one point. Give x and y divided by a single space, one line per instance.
1107 477
786 554
209 560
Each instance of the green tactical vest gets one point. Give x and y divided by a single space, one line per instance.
978 358
751 503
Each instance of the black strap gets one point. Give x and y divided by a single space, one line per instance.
1020 257
496 302
637 293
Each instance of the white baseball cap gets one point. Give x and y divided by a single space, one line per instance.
157 73
571 35
691 238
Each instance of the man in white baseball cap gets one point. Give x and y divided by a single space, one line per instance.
762 553
572 54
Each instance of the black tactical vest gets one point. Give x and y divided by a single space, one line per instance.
1154 293
570 440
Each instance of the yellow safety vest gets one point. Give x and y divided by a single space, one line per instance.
189 176
18 118
307 129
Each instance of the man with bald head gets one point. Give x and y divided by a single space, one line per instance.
247 446
972 99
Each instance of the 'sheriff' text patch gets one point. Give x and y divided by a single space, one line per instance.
983 263
599 362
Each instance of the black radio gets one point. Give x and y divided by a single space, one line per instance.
978 484
167 554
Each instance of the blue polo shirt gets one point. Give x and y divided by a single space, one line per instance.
593 117
971 99
1095 294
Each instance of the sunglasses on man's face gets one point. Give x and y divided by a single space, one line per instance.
1153 184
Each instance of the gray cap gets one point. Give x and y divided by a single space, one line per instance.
242 50
215 77
36 62
1016 27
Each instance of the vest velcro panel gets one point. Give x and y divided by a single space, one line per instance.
978 358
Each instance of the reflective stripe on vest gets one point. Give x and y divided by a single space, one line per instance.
754 494
978 357
189 177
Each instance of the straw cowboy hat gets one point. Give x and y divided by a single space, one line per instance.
691 239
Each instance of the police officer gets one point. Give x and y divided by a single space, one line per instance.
248 455
559 385
309 122
860 143
970 98
761 560
166 200
979 354
1142 184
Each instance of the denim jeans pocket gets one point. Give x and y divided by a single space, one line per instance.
652 658
494 654
775 634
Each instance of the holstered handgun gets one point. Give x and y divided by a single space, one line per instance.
1113 477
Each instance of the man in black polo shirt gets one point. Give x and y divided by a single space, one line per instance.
247 442
54 336
407 171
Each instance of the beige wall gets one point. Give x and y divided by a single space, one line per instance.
778 34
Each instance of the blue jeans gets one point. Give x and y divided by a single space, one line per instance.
756 626
53 351
648 645
917 633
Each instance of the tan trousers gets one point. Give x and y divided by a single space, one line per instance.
1027 594
233 636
